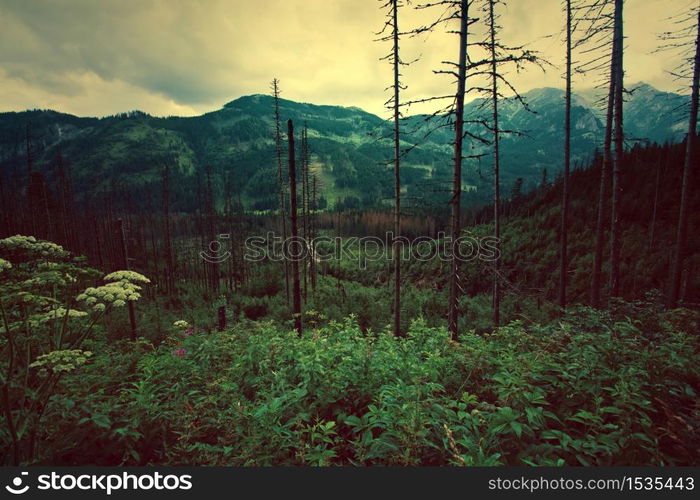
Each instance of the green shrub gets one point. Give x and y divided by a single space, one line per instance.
591 389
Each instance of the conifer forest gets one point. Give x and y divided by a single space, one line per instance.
423 233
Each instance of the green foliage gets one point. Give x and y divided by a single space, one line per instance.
594 388
43 331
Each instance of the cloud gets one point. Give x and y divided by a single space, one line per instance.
185 57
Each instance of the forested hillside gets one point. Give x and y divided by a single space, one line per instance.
348 147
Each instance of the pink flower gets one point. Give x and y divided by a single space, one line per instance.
179 352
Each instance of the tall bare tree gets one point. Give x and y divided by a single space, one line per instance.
305 165
169 263
452 115
618 137
213 266
679 253
296 287
564 227
498 54
601 22
314 208
280 178
392 24
496 161
453 306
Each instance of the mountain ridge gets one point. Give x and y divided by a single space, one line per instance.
349 154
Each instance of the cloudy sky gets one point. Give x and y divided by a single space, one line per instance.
187 57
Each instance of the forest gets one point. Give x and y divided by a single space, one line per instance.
507 279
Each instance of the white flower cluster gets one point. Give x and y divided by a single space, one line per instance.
181 323
32 245
130 276
34 299
49 278
116 293
58 313
57 269
60 361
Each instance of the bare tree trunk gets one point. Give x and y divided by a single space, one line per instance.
295 234
7 230
563 243
314 207
170 273
496 168
211 227
30 203
617 157
305 202
125 261
682 228
396 250
657 187
602 192
453 315
280 179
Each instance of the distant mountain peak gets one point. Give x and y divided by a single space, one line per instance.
254 98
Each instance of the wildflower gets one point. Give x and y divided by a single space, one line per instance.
181 323
59 313
179 352
119 288
30 245
60 361
129 276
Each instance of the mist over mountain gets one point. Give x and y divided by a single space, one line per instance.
350 147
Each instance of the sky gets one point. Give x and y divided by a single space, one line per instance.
188 57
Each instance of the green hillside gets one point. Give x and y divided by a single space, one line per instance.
349 148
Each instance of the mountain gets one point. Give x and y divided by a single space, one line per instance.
350 148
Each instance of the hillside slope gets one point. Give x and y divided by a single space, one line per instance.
349 147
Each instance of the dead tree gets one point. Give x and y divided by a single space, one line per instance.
564 228
170 267
498 54
394 104
296 289
280 179
213 265
600 23
305 165
453 115
314 208
453 305
496 163
691 140
619 138
125 265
